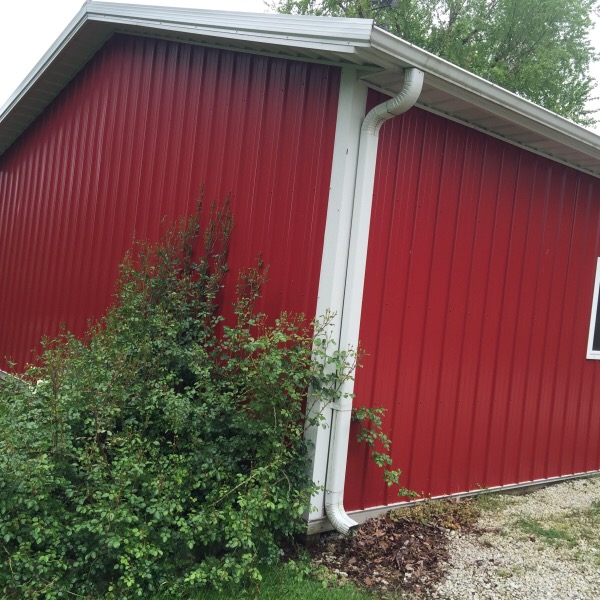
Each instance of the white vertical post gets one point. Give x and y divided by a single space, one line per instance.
334 263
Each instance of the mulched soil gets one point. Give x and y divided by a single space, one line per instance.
404 550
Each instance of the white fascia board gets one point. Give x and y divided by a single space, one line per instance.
460 83
205 34
292 30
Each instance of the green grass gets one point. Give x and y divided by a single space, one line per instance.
585 525
493 501
557 533
283 583
511 572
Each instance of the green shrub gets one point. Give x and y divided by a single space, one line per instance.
165 450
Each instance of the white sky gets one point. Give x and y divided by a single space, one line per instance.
29 27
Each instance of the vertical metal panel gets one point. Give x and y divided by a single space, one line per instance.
478 292
131 140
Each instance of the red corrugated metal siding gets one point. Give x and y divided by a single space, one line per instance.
132 139
478 294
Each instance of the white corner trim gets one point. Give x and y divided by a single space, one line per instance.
343 269
354 288
351 111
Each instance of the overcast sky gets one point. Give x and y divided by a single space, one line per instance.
29 27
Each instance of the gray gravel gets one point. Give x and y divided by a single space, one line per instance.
512 560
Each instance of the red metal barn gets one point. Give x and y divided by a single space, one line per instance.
453 227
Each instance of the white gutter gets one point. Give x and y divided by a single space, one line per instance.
353 293
476 91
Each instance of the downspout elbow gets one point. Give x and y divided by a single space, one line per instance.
411 90
338 516
353 293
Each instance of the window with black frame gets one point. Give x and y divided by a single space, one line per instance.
594 337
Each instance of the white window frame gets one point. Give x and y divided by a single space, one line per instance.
591 353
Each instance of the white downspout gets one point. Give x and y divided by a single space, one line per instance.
353 293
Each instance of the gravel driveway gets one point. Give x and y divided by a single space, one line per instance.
543 545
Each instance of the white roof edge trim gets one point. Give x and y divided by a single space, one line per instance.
366 46
342 35
536 118
72 28
342 29
314 42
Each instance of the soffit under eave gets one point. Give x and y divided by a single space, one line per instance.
48 82
565 142
88 34
380 63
